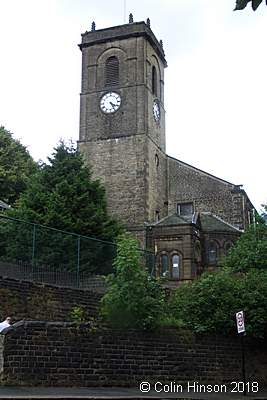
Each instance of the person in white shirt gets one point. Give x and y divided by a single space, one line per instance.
5 324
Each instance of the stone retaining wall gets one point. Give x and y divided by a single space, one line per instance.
67 354
21 299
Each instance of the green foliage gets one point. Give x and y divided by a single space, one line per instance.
16 166
77 315
241 4
134 298
250 251
170 320
40 245
62 195
211 302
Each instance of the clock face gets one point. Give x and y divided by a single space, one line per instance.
156 110
110 102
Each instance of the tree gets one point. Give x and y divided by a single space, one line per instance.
211 302
62 195
250 251
16 166
241 4
134 298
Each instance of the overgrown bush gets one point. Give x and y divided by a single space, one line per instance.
250 251
211 302
134 297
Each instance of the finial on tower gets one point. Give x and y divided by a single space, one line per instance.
161 44
131 18
93 26
148 22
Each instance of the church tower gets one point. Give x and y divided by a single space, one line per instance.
122 121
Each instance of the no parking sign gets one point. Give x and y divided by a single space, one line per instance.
240 322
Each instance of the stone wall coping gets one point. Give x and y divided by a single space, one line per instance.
45 324
61 324
47 285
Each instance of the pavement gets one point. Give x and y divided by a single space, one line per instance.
111 393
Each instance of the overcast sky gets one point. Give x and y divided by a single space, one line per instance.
215 83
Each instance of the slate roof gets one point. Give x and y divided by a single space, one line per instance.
211 222
175 219
207 220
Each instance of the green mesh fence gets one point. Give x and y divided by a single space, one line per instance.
33 246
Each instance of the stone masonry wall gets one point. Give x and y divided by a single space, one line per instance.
136 185
29 300
208 193
56 354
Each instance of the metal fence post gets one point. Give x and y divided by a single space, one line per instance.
33 247
78 261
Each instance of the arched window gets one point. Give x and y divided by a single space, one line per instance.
154 81
163 265
227 248
112 71
175 266
212 254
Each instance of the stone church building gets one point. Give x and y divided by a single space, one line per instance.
188 217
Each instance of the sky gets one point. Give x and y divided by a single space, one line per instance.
215 82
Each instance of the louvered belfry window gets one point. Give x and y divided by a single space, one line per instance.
112 71
154 81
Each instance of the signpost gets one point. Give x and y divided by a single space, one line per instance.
240 324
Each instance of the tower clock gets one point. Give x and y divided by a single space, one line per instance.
122 120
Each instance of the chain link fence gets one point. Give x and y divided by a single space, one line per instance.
34 252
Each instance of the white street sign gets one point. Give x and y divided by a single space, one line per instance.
240 322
